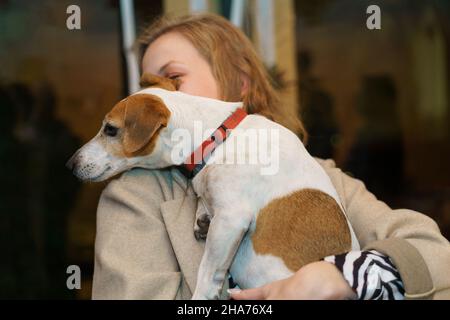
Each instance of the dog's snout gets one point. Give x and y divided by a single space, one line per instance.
72 163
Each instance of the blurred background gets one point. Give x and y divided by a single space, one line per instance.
376 101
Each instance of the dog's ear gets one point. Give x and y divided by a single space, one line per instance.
152 80
144 116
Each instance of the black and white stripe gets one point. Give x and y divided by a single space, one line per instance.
371 274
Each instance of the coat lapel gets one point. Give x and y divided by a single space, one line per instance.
179 215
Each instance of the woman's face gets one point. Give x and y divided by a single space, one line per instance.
173 56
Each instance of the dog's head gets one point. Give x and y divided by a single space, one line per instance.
128 133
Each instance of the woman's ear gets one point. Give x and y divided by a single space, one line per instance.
245 85
152 80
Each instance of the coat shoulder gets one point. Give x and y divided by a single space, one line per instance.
139 181
326 163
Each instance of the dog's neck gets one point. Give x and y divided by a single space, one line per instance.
192 120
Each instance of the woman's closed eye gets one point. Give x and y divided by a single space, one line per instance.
173 76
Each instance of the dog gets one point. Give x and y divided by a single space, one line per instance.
260 227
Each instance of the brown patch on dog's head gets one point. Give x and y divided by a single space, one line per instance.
139 118
151 80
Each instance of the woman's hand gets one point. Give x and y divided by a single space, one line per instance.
315 281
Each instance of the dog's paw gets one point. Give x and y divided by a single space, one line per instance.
201 227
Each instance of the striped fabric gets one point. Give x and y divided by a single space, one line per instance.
371 274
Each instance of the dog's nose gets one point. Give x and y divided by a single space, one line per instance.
72 163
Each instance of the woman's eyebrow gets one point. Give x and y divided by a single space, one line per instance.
165 66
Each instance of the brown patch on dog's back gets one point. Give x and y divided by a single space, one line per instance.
302 227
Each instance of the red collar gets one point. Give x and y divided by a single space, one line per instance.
197 160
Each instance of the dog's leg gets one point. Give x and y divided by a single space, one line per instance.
202 220
225 235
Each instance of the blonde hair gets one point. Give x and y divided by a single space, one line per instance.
231 56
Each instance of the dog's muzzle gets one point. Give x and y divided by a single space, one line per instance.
73 162
90 163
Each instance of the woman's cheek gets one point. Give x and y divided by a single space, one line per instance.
184 85
184 88
191 88
199 88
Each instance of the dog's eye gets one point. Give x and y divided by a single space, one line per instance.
110 130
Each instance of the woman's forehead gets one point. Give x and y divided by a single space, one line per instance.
168 48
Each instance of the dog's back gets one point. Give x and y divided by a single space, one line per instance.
297 218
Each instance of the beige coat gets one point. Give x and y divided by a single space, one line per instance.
145 246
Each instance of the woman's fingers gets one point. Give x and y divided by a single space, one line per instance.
248 294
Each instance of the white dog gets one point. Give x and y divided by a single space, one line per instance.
263 226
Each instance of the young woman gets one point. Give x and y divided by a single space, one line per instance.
145 246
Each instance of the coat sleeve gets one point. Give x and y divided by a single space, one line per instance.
133 255
412 240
